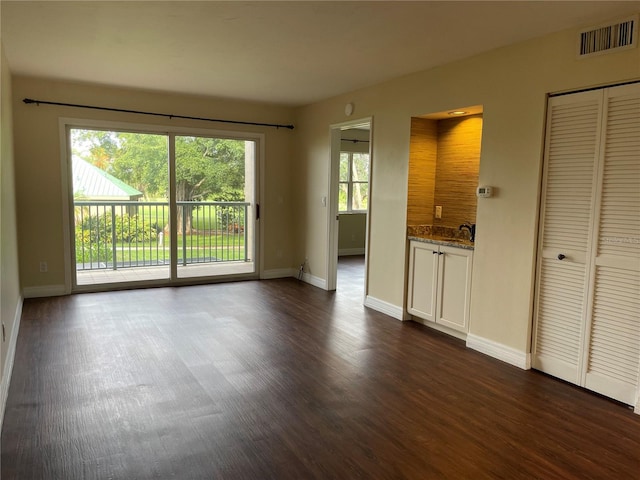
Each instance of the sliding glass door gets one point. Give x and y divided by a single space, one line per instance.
215 202
151 207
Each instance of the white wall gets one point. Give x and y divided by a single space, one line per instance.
511 84
351 233
10 298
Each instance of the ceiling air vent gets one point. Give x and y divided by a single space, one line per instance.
608 38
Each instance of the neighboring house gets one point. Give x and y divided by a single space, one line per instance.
92 183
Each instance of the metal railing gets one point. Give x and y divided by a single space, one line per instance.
115 235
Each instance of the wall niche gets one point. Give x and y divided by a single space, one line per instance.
444 162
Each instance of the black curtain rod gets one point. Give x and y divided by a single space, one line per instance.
354 140
167 115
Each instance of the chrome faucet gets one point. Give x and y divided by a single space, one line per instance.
472 230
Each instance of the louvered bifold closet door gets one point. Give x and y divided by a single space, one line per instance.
613 357
572 145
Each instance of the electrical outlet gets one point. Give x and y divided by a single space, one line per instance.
44 268
438 211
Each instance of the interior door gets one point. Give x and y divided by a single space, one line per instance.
572 146
613 361
587 328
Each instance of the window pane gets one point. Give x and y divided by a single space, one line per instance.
344 167
212 202
360 196
342 197
360 167
130 171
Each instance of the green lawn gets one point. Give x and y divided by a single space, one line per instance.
220 247
139 235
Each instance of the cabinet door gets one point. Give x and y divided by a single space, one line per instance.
423 270
454 287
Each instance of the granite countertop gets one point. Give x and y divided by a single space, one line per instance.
440 235
438 240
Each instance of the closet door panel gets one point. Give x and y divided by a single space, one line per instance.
614 341
572 147
614 350
561 299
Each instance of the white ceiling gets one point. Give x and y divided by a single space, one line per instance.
292 53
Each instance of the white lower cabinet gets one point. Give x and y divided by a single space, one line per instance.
440 284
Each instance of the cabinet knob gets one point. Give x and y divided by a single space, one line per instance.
561 256
440 253
435 252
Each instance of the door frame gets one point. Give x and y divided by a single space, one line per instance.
65 124
332 204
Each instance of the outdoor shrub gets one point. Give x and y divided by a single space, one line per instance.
88 250
132 228
94 235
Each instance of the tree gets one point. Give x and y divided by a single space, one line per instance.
97 146
206 168
142 162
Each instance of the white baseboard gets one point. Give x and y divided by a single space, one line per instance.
293 272
44 291
497 350
440 328
344 252
8 366
637 409
385 307
315 281
278 273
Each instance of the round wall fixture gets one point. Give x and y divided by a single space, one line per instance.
348 109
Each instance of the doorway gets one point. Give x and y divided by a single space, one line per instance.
350 181
157 207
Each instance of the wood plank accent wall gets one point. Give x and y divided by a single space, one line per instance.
423 151
458 165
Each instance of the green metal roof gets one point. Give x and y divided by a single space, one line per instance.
93 183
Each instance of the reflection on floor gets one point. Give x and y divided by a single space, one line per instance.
351 277
350 274
142 274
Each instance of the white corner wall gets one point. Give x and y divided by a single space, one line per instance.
10 298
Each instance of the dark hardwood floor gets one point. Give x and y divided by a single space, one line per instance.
281 380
